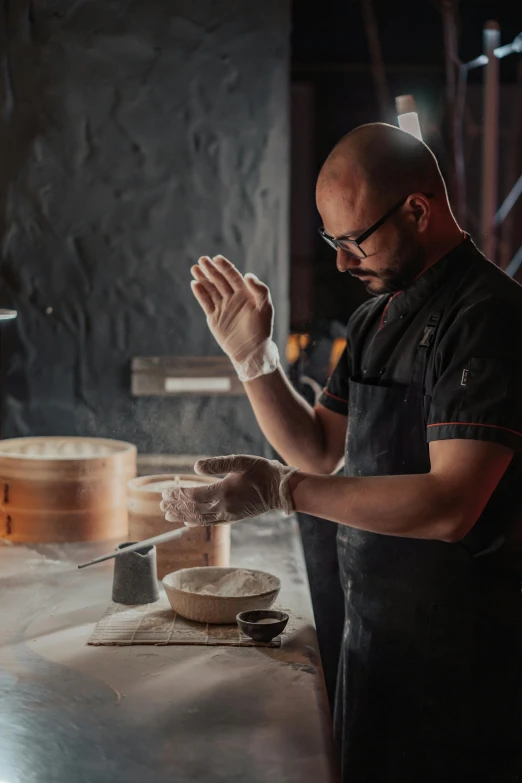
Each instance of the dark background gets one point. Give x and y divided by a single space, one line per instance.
334 91
136 135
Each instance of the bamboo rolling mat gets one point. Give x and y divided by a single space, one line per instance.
157 624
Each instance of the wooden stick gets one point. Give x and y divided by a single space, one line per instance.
169 536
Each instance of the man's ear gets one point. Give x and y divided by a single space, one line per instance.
418 210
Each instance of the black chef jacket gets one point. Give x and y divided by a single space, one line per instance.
473 382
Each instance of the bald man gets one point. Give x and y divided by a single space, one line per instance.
425 411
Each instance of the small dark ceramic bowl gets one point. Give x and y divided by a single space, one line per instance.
255 624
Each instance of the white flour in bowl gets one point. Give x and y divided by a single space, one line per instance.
237 584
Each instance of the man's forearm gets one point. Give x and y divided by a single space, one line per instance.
415 506
288 422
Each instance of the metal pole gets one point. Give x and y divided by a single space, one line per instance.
448 24
514 265
508 217
491 39
460 162
377 60
455 92
511 198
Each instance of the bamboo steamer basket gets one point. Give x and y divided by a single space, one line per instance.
199 546
56 489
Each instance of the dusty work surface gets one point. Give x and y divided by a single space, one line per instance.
71 713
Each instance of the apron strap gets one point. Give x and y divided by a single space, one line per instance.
422 353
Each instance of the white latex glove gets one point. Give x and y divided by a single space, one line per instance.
253 486
239 313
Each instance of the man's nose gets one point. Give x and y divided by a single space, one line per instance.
344 261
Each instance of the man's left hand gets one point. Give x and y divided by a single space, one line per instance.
252 486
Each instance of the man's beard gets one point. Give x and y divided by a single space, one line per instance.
406 263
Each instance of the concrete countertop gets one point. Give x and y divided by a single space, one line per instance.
70 713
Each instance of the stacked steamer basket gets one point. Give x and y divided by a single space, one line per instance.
64 489
199 546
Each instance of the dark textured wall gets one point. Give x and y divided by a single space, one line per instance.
134 137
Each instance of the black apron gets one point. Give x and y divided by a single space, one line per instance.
322 566
428 684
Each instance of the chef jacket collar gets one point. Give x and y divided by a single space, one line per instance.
430 278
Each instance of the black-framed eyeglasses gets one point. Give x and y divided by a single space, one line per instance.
353 246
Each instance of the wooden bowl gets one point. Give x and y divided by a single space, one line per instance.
218 609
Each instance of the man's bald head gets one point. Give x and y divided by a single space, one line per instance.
384 207
385 162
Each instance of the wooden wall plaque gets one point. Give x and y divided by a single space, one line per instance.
171 376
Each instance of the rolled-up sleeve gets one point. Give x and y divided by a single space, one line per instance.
477 393
335 394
